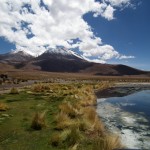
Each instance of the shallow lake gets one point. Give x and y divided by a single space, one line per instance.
126 112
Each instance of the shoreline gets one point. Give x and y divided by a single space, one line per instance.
122 122
132 84
74 115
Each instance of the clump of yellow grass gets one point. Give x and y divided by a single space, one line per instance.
3 107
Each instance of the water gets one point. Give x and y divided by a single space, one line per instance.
126 112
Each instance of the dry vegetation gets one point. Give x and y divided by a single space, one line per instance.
63 112
77 122
71 122
14 91
38 121
3 107
40 75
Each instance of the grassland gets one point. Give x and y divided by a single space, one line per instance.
51 116
40 75
57 112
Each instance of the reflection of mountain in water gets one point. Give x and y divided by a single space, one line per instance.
119 91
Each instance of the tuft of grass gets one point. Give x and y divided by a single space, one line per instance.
88 100
55 140
41 87
84 124
98 127
91 123
73 137
106 143
74 147
14 91
63 121
38 121
3 107
90 114
68 109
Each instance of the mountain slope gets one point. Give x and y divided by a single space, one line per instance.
113 70
15 56
64 60
61 60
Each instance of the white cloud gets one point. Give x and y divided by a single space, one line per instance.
109 13
126 57
96 60
34 27
118 2
104 52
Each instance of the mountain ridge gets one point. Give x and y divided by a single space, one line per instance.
65 60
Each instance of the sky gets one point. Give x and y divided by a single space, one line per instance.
104 31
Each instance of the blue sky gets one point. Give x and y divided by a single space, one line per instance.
123 30
129 33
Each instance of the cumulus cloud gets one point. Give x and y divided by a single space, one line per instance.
104 52
109 13
35 26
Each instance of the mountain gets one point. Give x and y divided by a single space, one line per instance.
113 70
61 60
65 60
15 57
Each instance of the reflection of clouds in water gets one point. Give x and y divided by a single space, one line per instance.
129 120
130 138
130 127
127 104
101 100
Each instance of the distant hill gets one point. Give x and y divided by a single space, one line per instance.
15 57
64 60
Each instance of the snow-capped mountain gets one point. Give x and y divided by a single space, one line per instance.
61 60
15 56
64 60
63 52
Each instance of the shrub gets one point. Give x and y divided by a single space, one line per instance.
90 114
41 87
68 109
55 140
88 100
98 127
14 91
3 107
74 137
84 125
38 121
106 143
63 121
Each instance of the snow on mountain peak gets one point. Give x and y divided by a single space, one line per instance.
58 51
63 51
21 52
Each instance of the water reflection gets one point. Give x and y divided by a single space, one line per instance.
126 112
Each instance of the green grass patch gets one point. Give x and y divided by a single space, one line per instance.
52 116
15 130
